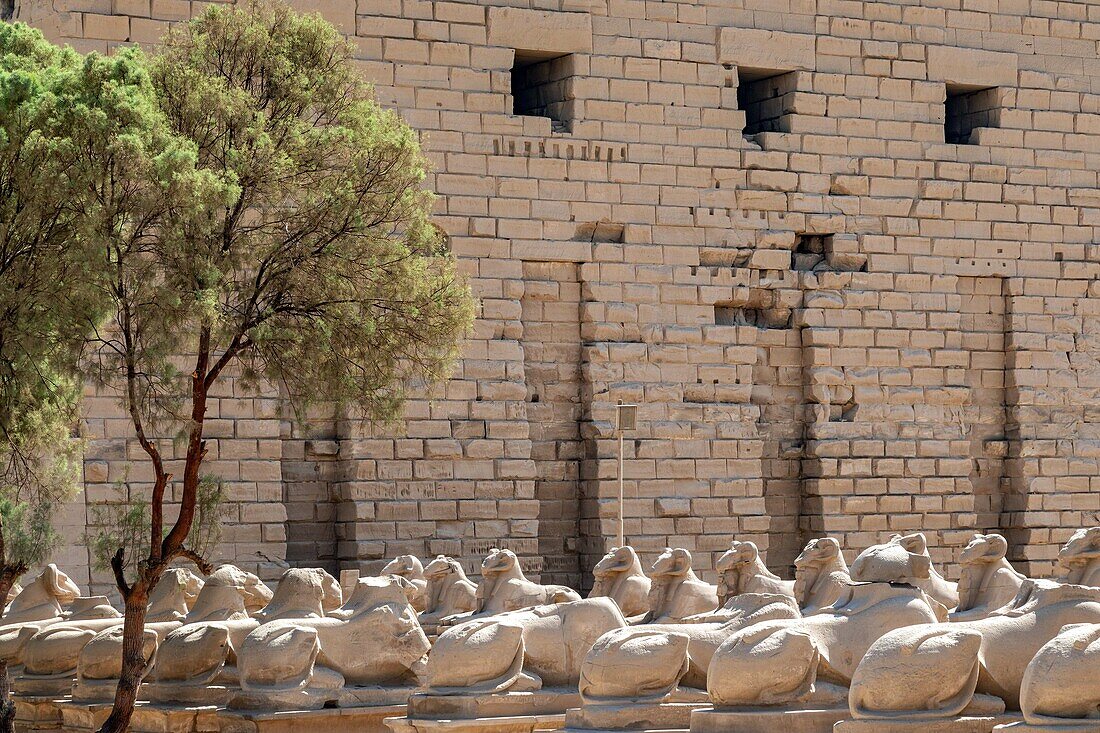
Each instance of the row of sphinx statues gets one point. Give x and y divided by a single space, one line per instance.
886 637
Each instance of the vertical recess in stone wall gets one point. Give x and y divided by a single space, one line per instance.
309 466
552 363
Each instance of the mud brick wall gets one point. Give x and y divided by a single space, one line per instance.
745 217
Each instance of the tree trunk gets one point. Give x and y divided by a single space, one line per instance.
133 660
7 705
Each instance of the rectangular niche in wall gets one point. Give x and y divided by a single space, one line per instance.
967 109
543 87
767 99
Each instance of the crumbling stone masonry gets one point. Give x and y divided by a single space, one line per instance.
843 253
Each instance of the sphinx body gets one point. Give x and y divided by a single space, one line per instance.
42 603
504 587
374 640
987 580
619 576
449 593
51 656
676 592
196 662
520 651
811 660
998 648
227 594
655 662
411 569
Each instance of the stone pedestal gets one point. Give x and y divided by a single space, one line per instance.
332 720
508 712
962 724
53 686
148 718
1069 726
667 716
767 720
188 695
34 713
316 699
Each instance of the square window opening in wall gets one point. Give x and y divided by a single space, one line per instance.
766 96
968 108
543 86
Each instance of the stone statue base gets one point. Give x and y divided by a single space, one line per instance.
147 718
962 724
502 712
977 723
664 716
316 699
52 686
37 713
175 694
767 720
1070 726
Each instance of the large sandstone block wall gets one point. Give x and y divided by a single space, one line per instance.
843 254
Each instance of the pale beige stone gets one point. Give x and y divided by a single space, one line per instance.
777 663
310 662
411 569
821 575
972 67
619 576
905 559
546 31
676 592
519 651
767 49
1079 558
504 587
987 581
741 570
449 592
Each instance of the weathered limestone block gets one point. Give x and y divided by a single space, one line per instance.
972 67
676 592
768 50
550 32
619 576
1059 690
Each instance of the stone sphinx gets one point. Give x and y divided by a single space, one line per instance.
798 670
820 575
676 592
370 652
1079 558
504 587
51 656
987 580
520 665
43 599
987 657
619 576
228 593
449 593
906 559
1058 691
411 569
50 598
196 663
652 676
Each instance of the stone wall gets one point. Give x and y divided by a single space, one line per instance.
744 217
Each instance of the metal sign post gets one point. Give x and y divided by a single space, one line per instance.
626 418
